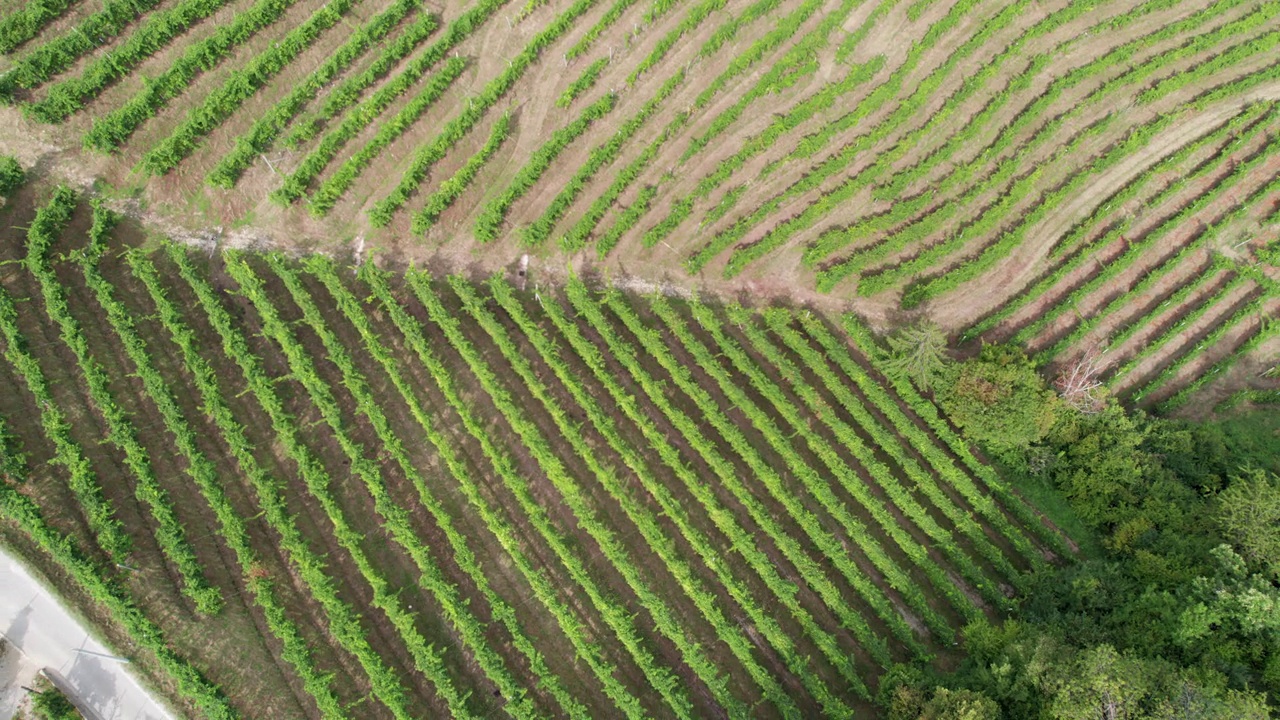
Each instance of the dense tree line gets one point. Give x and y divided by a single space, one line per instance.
1172 609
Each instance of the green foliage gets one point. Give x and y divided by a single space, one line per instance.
696 15
431 152
1249 514
911 703
918 353
51 704
240 85
999 400
68 454
69 96
11 175
452 188
583 83
1270 253
579 234
1030 673
817 477
19 27
113 129
491 217
57 54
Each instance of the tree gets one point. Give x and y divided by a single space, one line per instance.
1102 684
1249 514
999 400
1078 384
918 353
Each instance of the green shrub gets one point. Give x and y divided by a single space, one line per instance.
11 175
51 704
999 400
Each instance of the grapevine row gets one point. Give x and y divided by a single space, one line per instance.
543 588
456 609
452 187
1218 266
386 687
56 55
657 347
895 185
691 429
779 323
798 61
242 83
21 26
711 557
816 485
190 684
111 130
580 233
80 478
602 155
1201 238
655 537
1233 130
327 195
489 221
1137 247
169 532
862 338
67 97
1267 329
584 82
1220 330
368 111
431 153
884 476
660 678
267 128
832 274
234 529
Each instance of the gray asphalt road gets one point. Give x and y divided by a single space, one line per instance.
41 633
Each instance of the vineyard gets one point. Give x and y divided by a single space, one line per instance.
424 496
953 158
392 359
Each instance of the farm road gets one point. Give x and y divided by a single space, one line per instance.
40 633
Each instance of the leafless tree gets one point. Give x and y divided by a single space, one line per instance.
1078 383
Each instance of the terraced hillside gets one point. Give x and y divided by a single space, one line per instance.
953 157
303 489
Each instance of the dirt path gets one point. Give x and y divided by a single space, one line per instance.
40 632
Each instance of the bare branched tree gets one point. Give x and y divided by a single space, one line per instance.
1078 383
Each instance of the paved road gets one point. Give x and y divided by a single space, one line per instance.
40 633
